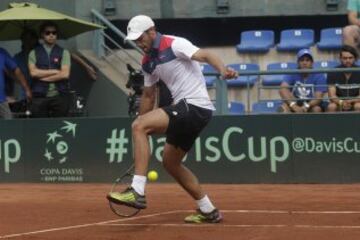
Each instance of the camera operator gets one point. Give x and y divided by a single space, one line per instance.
136 83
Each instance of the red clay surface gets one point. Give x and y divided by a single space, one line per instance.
80 211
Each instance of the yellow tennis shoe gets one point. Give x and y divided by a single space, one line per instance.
200 217
129 197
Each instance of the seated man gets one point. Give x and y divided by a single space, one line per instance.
344 86
303 92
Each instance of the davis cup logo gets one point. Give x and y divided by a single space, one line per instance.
57 145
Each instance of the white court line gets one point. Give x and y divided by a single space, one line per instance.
190 225
108 223
183 225
328 226
278 211
290 212
86 225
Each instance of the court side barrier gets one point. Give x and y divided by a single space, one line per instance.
274 148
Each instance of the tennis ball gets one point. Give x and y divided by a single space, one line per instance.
152 176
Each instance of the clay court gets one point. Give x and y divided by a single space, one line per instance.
80 211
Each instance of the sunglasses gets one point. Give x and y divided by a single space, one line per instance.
47 33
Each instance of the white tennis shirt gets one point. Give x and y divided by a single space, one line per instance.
170 61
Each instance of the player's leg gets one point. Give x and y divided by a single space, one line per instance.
155 121
185 124
172 162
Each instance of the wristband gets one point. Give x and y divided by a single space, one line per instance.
292 104
341 102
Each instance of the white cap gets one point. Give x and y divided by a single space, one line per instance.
137 26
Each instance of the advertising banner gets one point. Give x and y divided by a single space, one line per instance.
314 148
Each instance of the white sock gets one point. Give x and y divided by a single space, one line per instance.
138 184
205 205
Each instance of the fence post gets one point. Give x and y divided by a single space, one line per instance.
221 97
99 41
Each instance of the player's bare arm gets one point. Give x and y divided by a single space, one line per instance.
147 99
206 56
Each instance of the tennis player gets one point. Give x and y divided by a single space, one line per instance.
175 61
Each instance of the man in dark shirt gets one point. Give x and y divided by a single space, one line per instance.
344 88
49 67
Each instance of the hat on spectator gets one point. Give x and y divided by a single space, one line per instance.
304 52
137 26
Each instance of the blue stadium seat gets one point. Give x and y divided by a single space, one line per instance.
330 39
295 39
326 64
236 108
276 80
256 41
269 106
243 80
207 68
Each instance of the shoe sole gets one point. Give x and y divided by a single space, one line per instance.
218 220
117 201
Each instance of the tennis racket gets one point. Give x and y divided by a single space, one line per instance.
119 185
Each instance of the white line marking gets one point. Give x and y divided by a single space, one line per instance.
280 211
183 225
328 226
108 223
86 225
188 225
289 212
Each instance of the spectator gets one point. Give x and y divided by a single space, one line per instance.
303 92
29 40
351 33
8 64
344 86
49 67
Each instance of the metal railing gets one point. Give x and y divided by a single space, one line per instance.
221 87
101 38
